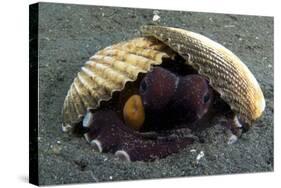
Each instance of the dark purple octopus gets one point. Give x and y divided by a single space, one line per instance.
178 102
179 98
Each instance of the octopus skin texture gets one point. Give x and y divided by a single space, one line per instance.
157 89
184 99
107 133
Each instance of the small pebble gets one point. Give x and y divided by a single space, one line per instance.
56 149
155 18
199 156
193 150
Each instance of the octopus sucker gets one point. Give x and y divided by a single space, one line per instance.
87 120
146 98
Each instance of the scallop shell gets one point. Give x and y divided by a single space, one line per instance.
227 74
108 71
111 68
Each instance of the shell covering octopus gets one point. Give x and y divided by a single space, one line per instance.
144 99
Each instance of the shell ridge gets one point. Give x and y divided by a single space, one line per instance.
84 93
77 106
86 84
129 69
114 76
132 59
80 93
99 81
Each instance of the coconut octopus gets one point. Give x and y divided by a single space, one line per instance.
143 99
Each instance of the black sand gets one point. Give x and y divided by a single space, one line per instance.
70 34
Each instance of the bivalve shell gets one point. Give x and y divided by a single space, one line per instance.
111 68
227 74
108 71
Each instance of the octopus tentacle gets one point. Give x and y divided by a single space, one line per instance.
150 150
107 133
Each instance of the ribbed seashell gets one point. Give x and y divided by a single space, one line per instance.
108 71
227 74
111 68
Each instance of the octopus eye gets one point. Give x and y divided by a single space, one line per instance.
206 98
143 86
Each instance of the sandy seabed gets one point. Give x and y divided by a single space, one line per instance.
70 34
